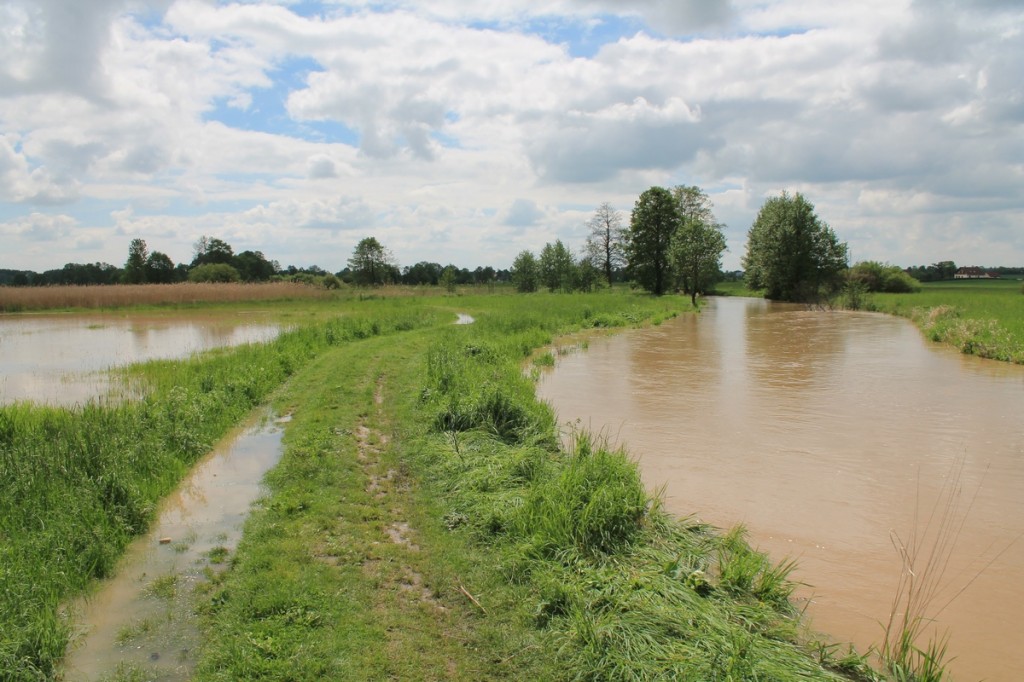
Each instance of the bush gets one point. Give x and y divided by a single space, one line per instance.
214 272
875 277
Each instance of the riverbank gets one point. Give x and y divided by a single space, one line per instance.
979 317
423 523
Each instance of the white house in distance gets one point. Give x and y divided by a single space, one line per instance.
973 272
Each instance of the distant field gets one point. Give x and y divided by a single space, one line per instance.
734 289
1000 300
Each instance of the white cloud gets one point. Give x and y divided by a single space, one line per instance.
474 143
523 213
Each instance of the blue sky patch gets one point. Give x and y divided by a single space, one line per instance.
267 113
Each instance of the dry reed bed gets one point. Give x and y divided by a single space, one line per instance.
15 299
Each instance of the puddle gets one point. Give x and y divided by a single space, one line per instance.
464 319
142 620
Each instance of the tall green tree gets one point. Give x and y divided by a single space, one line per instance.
159 268
557 267
693 204
697 249
791 253
698 243
135 266
606 243
525 272
209 250
253 266
653 222
447 279
371 263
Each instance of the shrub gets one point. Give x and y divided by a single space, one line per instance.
875 277
214 272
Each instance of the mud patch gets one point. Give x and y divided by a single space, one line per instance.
400 533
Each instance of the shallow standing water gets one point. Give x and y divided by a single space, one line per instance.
142 619
825 432
60 358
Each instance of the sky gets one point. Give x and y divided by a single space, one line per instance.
465 132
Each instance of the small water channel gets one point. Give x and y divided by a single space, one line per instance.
143 619
60 359
826 434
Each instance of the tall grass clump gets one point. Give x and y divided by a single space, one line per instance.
79 483
618 589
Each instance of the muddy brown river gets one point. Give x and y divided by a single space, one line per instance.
827 434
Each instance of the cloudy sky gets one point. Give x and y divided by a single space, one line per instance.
465 132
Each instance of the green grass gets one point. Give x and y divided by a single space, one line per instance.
979 317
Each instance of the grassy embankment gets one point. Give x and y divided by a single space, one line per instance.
979 317
79 483
424 524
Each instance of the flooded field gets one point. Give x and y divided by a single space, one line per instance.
141 622
829 435
60 358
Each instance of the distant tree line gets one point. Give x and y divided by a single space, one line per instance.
673 242
214 260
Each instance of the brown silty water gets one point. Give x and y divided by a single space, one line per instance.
61 359
829 435
142 622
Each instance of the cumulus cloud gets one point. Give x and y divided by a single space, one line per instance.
321 166
463 125
41 227
523 213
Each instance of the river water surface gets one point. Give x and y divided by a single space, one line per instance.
827 434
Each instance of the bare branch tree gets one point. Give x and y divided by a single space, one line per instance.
606 243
